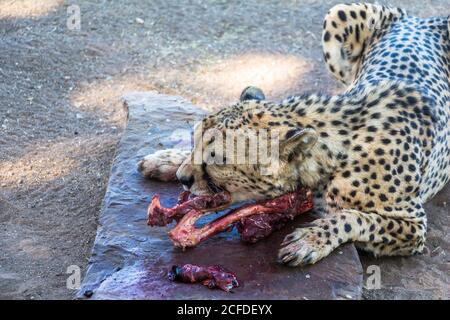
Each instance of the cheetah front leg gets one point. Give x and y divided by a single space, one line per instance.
374 233
163 164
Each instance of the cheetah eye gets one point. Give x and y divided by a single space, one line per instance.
213 154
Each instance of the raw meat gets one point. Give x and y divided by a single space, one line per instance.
160 216
212 276
254 221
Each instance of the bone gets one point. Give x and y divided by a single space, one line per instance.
160 216
285 208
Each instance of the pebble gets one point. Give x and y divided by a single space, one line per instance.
88 293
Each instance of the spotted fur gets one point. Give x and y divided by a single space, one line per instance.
373 155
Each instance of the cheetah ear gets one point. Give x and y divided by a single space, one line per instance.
298 140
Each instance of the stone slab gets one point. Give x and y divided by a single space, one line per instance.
129 259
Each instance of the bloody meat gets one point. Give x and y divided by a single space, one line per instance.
212 276
254 221
160 216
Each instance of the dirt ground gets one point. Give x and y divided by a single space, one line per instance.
61 114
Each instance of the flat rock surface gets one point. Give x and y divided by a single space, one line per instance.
130 260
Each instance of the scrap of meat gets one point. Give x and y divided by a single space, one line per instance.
254 221
258 227
160 216
276 214
212 276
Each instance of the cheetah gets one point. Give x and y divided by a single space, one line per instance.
372 155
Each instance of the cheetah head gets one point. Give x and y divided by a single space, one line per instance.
218 162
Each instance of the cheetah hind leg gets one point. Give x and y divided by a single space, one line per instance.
347 31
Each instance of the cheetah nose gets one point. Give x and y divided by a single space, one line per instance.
187 181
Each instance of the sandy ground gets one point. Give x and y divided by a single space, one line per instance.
61 114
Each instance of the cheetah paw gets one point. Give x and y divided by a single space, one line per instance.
304 246
162 165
